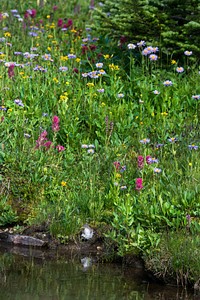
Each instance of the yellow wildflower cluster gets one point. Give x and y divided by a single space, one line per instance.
7 34
114 67
64 97
90 84
64 58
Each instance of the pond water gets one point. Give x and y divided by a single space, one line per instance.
28 274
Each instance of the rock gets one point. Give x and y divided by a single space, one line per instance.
24 240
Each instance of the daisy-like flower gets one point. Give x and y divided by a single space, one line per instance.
193 147
84 75
91 146
131 46
154 49
141 43
63 69
180 69
70 56
153 57
145 52
123 187
84 146
100 90
188 53
156 92
99 65
90 151
196 97
167 83
145 141
172 140
157 170
19 102
120 95
102 72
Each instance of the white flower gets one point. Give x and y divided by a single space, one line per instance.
131 46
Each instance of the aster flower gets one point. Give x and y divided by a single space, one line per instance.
141 43
156 92
19 102
157 170
193 147
63 69
84 146
70 56
120 95
131 46
100 90
196 97
145 141
90 151
188 53
167 83
172 140
145 52
180 69
99 65
153 57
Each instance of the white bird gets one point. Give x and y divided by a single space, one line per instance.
87 232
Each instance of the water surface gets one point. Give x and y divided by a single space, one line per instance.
27 274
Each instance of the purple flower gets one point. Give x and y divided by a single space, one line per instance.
196 97
55 123
19 102
167 83
145 141
60 148
180 69
193 147
153 57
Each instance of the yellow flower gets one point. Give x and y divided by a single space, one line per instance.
190 164
49 48
50 36
67 82
117 175
64 58
106 56
90 84
55 80
52 25
103 104
9 110
114 67
2 55
173 62
73 30
54 42
78 59
63 183
48 16
7 34
164 114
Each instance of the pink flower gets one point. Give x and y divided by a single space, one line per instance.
47 145
60 148
60 22
148 159
140 161
41 140
55 124
117 165
11 71
138 184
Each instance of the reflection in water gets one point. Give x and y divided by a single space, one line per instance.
44 277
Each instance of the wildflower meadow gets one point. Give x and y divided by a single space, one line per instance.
97 131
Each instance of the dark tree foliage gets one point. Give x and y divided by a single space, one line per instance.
171 24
